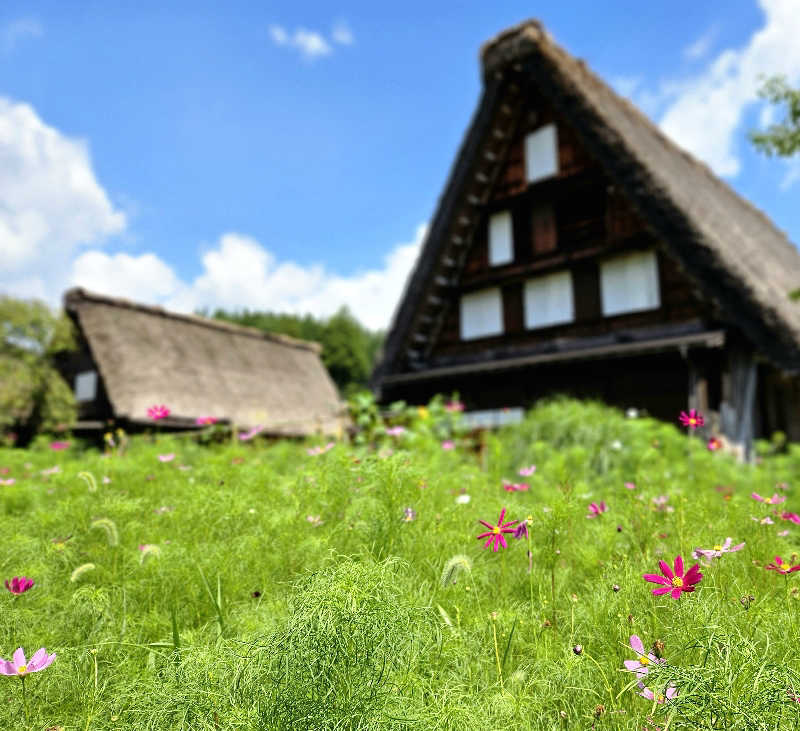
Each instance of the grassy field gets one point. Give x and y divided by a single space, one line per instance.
256 586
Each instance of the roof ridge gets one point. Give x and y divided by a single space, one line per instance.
75 295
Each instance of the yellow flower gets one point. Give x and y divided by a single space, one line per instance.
423 412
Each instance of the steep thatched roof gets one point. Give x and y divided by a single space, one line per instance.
200 367
731 250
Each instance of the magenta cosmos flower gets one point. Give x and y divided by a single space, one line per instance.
791 517
495 532
158 412
693 419
454 406
774 500
713 444
19 584
58 446
205 420
18 665
595 509
674 582
645 659
718 550
515 486
781 566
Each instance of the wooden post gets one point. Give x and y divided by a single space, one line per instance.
737 409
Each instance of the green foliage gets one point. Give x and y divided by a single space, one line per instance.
282 590
782 139
33 396
349 350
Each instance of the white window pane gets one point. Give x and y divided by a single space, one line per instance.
481 314
541 153
86 386
630 283
501 238
548 300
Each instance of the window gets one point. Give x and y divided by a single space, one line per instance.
548 300
501 239
86 386
630 283
481 314
541 153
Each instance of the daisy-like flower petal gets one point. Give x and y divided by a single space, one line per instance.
674 582
718 550
693 419
781 566
645 659
495 532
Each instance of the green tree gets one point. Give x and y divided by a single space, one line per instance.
33 396
782 139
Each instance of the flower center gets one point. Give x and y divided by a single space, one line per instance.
677 582
660 698
496 530
22 669
717 548
644 660
785 566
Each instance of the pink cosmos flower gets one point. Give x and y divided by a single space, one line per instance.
316 451
158 412
454 406
783 533
495 532
8 482
781 566
640 665
660 504
166 457
21 667
19 584
674 583
527 471
713 444
791 517
448 444
396 431
54 470
774 500
630 486
205 420
246 436
668 695
58 446
782 486
515 486
693 419
595 509
764 521
718 550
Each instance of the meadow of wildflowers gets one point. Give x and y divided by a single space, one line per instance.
404 581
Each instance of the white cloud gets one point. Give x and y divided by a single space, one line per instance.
703 113
309 43
240 273
16 30
51 204
342 34
699 48
792 174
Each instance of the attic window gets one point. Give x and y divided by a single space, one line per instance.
630 283
501 239
541 153
481 314
86 386
549 301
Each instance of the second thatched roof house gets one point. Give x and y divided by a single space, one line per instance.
577 249
133 356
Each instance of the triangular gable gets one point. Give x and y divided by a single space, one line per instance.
739 260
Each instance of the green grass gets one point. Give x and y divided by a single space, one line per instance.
246 615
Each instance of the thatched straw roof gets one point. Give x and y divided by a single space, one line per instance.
730 249
200 367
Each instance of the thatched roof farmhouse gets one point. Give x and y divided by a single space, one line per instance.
133 356
575 248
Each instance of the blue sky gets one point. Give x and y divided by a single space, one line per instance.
287 156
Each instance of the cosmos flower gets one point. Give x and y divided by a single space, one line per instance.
774 500
693 419
205 420
315 520
462 499
629 485
8 482
521 531
396 431
166 457
448 444
454 406
763 521
718 550
58 446
157 412
660 504
515 486
527 471
668 695
409 514
19 584
674 583
714 444
21 667
640 665
781 566
495 532
246 436
595 509
316 451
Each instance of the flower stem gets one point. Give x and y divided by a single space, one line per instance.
530 571
25 700
496 650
